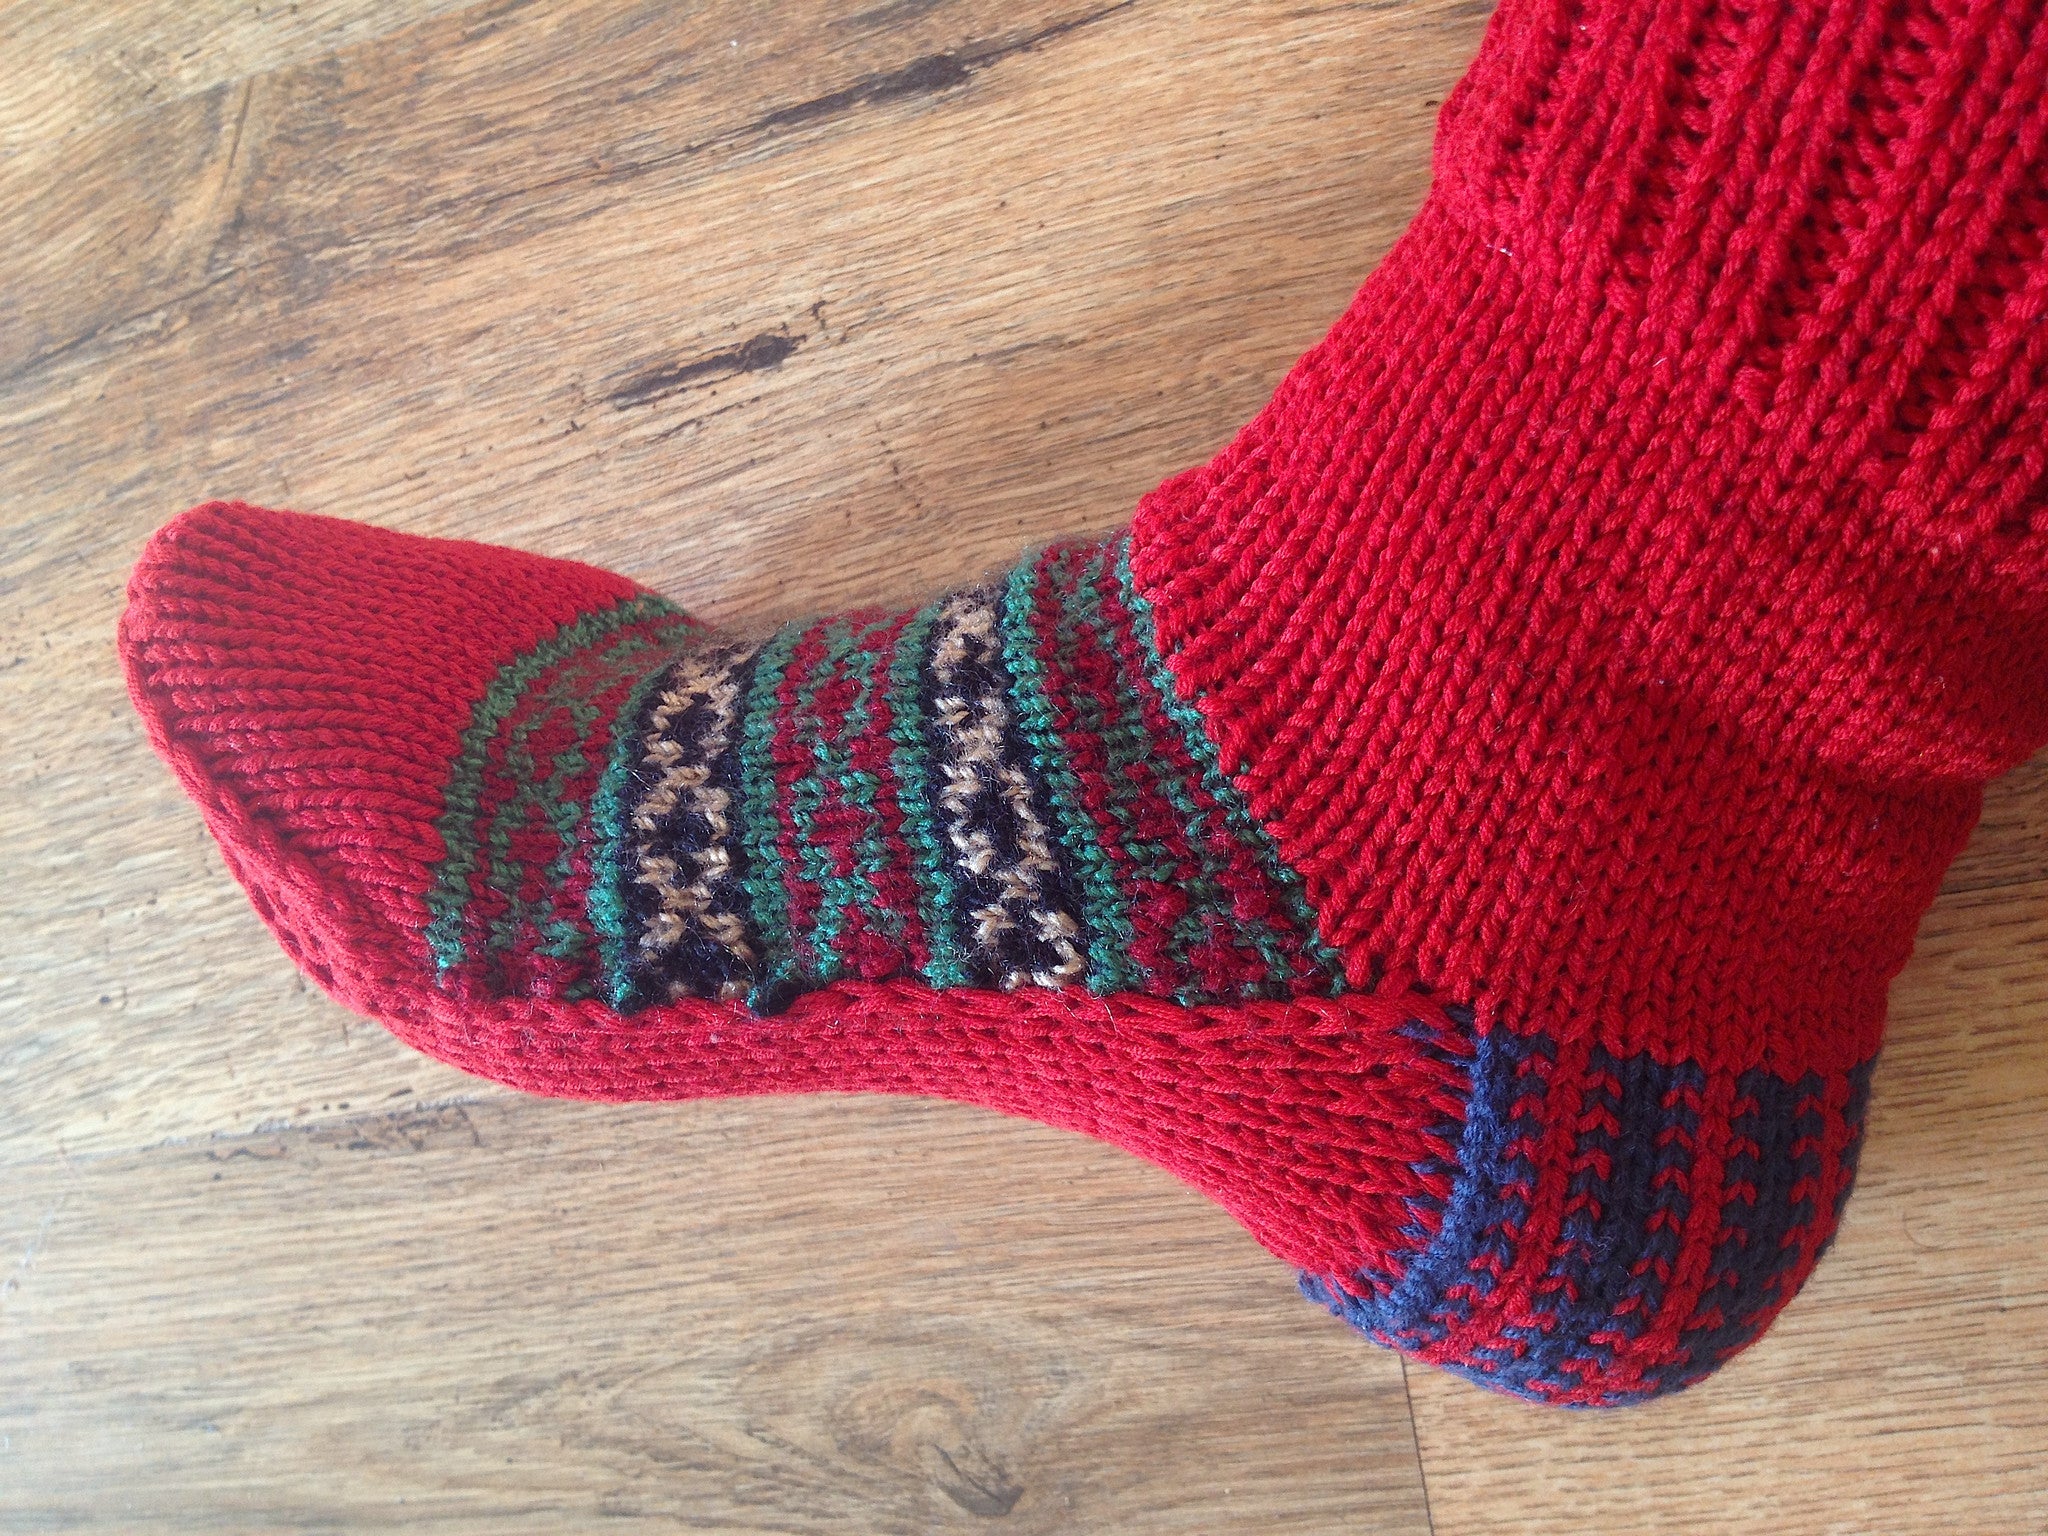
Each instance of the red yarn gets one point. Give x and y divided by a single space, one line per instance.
307 678
1616 615
1613 621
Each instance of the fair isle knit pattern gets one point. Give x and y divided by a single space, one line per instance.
508 902
994 791
699 912
1592 655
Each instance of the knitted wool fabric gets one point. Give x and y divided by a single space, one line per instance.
1468 828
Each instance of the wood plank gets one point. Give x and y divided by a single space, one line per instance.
1003 333
2010 843
459 134
74 67
1901 1391
450 137
819 1315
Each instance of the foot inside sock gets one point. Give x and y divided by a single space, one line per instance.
553 831
996 790
1611 623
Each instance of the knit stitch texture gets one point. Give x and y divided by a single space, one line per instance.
1468 828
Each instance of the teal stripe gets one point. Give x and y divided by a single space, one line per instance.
931 864
760 826
1128 744
448 888
570 687
807 798
1237 814
864 788
1104 913
1137 860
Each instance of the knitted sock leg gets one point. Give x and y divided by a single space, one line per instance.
1468 828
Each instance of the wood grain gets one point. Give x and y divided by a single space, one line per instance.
775 308
835 1315
73 67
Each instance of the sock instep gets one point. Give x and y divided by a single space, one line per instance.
1467 828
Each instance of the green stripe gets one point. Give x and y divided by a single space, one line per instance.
1129 746
573 687
758 834
1209 902
1237 814
610 857
856 889
871 855
507 873
807 799
938 897
1103 910
448 890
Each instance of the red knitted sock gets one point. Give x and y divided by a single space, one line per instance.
1468 828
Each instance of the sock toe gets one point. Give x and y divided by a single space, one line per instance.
309 681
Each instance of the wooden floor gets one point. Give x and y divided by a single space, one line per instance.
775 307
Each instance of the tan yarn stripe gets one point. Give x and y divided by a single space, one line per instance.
974 729
686 896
